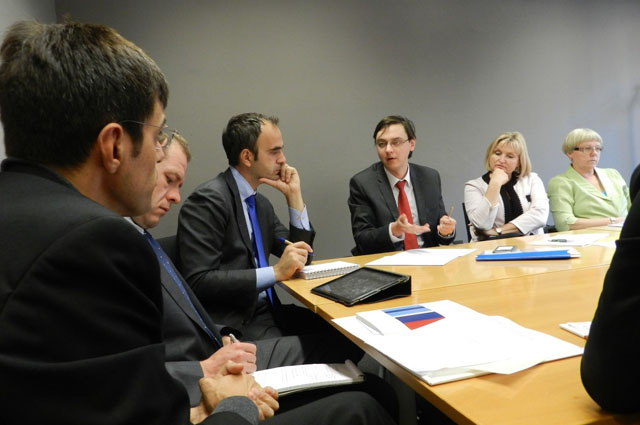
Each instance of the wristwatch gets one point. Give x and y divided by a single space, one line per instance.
612 220
499 230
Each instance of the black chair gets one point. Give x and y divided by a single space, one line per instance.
467 223
169 245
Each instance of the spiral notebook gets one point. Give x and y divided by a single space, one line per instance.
315 271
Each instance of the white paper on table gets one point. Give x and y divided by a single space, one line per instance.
606 244
421 257
464 344
578 239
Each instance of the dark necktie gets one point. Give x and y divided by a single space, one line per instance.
164 261
256 239
410 239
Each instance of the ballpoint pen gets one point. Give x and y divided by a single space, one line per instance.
233 338
286 242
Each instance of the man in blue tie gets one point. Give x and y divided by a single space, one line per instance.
227 231
194 345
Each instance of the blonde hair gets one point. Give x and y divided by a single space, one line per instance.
577 136
516 140
179 139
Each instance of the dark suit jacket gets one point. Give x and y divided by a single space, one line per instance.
609 368
80 311
373 207
215 252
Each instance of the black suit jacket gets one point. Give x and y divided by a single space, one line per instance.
373 207
215 252
609 367
80 311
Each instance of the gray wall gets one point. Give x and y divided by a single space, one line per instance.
13 10
463 71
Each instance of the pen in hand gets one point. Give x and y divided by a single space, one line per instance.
233 338
450 211
287 242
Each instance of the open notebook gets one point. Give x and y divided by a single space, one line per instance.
289 379
334 268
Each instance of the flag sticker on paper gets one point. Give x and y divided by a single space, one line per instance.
414 316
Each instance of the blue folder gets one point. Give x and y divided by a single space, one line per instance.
560 254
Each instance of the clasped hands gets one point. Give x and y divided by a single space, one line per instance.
446 226
227 374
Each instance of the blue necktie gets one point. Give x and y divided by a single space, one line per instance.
256 239
164 261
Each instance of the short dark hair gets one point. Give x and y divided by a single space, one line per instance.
242 132
60 84
390 120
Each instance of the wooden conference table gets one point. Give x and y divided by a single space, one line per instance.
535 294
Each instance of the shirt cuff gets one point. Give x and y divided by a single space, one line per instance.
299 220
265 278
394 238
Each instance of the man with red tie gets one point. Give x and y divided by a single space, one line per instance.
396 205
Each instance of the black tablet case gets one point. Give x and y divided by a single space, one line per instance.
365 285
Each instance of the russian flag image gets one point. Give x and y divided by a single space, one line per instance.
414 316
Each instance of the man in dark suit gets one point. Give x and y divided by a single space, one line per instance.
80 304
195 346
219 256
609 364
396 205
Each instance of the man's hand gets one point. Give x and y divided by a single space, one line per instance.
402 226
447 225
229 382
266 399
243 353
289 185
292 260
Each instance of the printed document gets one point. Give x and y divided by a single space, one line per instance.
421 257
455 343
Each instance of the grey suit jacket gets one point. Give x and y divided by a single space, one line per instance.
216 256
373 207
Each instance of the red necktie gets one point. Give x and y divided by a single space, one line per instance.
410 240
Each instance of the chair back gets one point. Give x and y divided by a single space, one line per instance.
467 223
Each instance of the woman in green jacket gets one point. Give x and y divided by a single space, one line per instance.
585 195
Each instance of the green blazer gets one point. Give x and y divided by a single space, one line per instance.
572 197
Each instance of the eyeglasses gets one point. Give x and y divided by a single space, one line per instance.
163 138
395 143
589 149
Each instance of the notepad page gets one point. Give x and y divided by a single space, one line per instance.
292 378
316 271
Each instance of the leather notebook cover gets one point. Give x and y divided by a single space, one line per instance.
365 285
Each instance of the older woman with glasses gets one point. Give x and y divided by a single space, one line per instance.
584 195
509 198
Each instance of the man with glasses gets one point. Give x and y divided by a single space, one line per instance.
80 304
396 205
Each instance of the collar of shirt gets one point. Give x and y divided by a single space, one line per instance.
244 188
393 180
135 225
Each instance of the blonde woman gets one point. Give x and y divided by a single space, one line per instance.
509 198
585 195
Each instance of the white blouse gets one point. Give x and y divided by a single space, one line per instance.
530 191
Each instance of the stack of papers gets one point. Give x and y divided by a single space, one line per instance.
448 342
421 257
